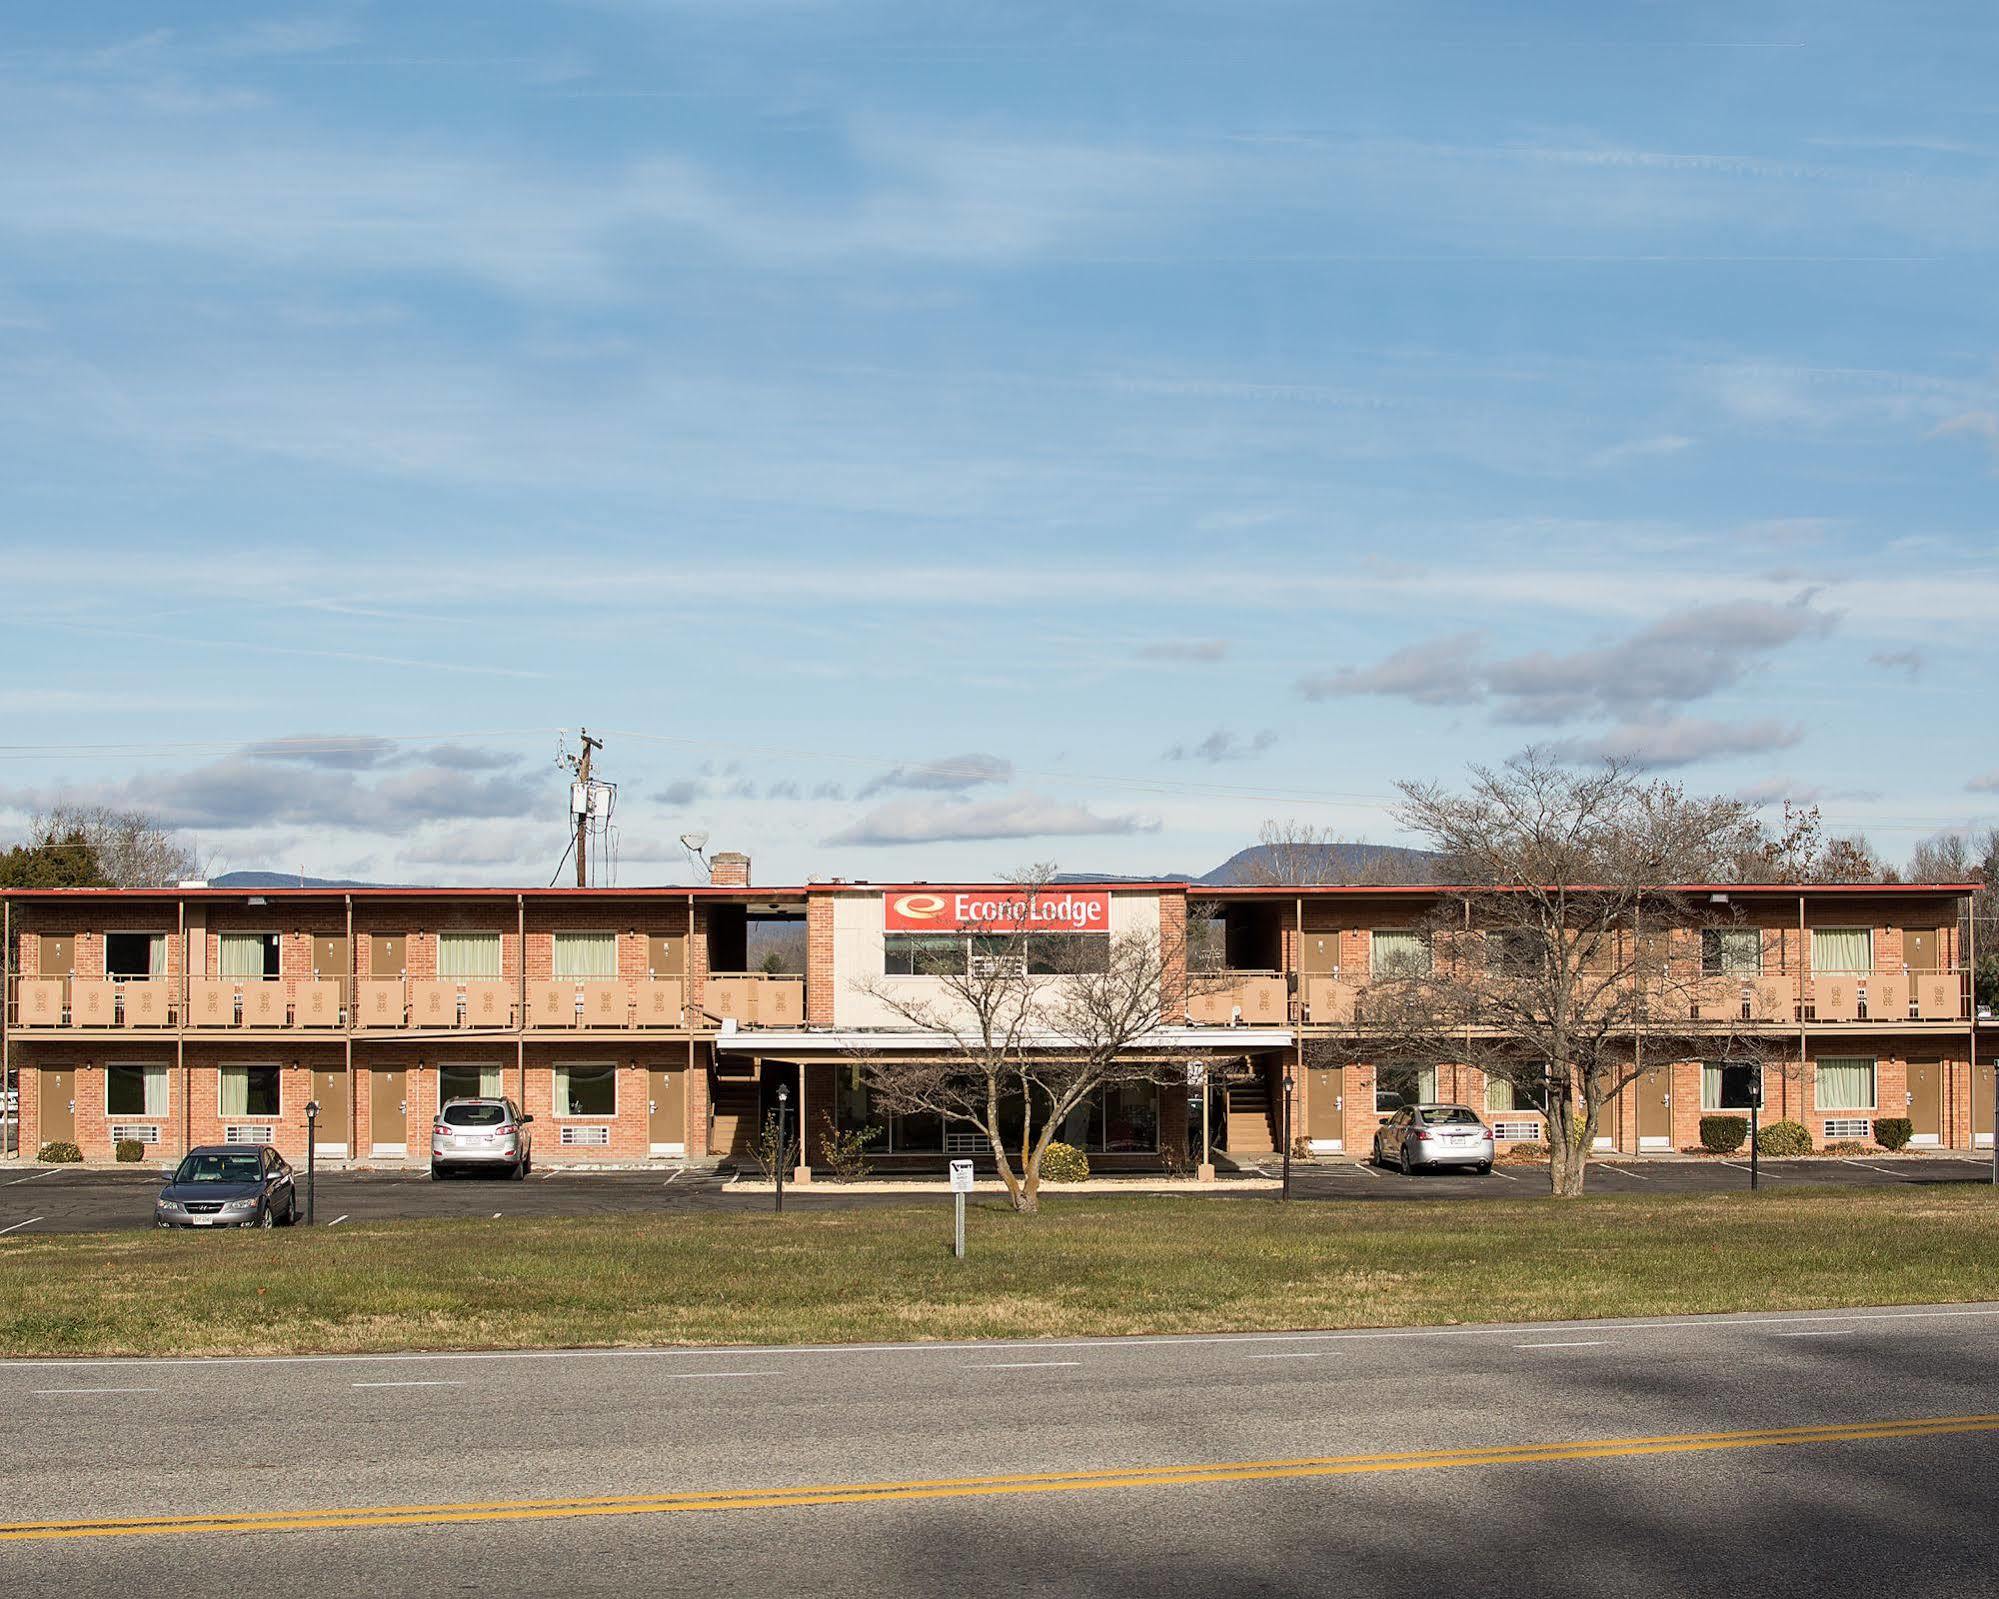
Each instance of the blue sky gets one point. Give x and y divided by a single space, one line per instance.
927 438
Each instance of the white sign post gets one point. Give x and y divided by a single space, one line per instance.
961 1185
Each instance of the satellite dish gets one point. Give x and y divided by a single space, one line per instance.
697 842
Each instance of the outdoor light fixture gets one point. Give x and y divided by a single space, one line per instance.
783 1101
311 1153
1285 1191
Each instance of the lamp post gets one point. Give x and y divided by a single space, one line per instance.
783 1102
1286 1191
1755 1119
311 1154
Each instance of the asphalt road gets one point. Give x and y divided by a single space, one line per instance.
1553 1459
66 1199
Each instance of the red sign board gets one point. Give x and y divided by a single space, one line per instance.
996 910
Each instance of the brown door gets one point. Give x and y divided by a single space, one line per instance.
58 1107
1655 1109
665 956
1318 952
1981 1105
387 954
388 1109
1919 948
58 954
329 956
1324 1086
330 1089
667 1107
1926 1100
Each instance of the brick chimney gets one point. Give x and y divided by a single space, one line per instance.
729 869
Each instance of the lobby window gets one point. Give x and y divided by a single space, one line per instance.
1731 951
1727 1085
135 1091
249 1091
586 1091
923 955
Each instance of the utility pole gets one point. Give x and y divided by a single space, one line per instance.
586 803
583 821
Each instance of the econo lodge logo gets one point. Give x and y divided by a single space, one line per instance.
998 910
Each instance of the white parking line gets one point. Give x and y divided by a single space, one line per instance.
1023 1365
1619 1171
20 1224
690 1376
1828 1332
1496 1172
1844 1161
496 1215
415 1382
1365 1169
1300 1355
97 1390
1575 1343
30 1177
337 1220
1767 1175
682 1172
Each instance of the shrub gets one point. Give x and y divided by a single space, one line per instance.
130 1149
1892 1132
772 1154
1848 1146
58 1152
1063 1163
1723 1135
1785 1138
845 1151
1523 1154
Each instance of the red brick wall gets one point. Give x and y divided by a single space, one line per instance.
819 961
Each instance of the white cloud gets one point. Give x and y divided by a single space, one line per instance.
1016 815
1224 744
1680 741
946 774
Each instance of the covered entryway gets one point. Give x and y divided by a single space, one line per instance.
1926 1101
58 1106
388 1111
329 1087
1655 1109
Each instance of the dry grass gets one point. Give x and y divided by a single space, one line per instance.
1086 1266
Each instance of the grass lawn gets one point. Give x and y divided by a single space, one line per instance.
1084 1266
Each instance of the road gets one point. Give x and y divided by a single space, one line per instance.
70 1199
1550 1459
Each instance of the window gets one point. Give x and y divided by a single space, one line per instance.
135 954
249 1091
135 1090
1400 955
1503 1094
468 955
1729 951
586 954
923 955
586 1091
1130 1117
1842 949
1405 1086
475 1115
1499 1095
1513 952
1052 954
1728 1085
1845 1082
469 1082
249 956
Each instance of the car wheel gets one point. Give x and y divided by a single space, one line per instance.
1402 1157
1485 1168
437 1174
291 1209
520 1171
267 1219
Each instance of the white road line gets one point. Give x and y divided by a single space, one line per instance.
337 1220
1844 1161
1296 1355
1111 1345
1574 1343
1496 1172
30 1177
689 1376
1821 1332
414 1382
682 1172
1365 1169
20 1224
1767 1175
1022 1365
97 1390
1619 1171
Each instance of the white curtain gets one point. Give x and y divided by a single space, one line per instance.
1426 1086
156 1091
1499 1094
1845 1083
156 956
243 955
1400 954
586 954
1842 949
1741 950
468 955
235 1088
585 1091
473 1082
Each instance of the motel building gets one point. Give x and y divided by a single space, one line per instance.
642 1024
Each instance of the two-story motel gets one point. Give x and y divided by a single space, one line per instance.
634 1024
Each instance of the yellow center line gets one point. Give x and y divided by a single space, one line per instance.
366 1516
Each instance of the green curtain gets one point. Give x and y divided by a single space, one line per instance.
1842 949
1845 1083
586 954
472 955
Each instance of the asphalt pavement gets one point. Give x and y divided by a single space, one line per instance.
43 1199
1821 1453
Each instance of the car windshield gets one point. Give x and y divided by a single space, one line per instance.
218 1166
1451 1116
474 1115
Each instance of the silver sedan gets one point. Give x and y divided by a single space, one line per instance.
1427 1137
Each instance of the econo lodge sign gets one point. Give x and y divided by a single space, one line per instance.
990 910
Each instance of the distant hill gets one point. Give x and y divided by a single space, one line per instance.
287 880
1325 863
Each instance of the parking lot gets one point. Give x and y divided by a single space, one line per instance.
67 1199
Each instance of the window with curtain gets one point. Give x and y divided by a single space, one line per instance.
249 1091
135 954
1845 1082
470 1082
470 955
586 1091
1842 949
586 954
135 1091
1731 951
1399 954
249 955
1726 1085
1499 1095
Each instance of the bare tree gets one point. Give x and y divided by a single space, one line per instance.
1801 852
131 849
1292 852
1562 961
1963 858
1028 1025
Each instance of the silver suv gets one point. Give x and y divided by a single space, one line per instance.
480 1132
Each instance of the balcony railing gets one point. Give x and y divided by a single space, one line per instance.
1242 998
756 999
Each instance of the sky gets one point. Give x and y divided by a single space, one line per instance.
927 438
